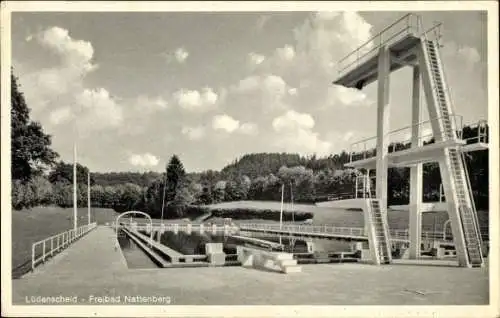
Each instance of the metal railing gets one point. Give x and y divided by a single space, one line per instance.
48 247
410 24
323 229
354 232
482 133
175 227
366 148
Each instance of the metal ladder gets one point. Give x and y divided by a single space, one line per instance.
473 204
363 187
379 225
467 213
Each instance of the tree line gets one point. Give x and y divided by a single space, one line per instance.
39 178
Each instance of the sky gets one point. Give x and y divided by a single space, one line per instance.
135 88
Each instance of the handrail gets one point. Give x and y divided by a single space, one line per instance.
376 35
471 197
57 243
392 144
396 234
412 26
356 53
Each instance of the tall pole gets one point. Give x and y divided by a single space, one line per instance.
291 199
281 210
163 199
75 211
88 195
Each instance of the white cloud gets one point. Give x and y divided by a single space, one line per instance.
209 96
74 53
60 115
48 86
229 124
347 96
249 129
295 134
286 53
292 120
225 122
467 54
181 55
194 133
470 54
255 58
193 100
143 160
150 104
327 37
267 92
348 136
98 110
269 84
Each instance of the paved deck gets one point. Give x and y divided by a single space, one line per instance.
92 266
93 252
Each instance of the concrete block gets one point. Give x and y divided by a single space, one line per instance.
366 255
282 256
440 252
356 246
310 247
217 258
287 262
292 269
211 248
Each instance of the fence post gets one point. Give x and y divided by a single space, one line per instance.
33 257
51 246
43 257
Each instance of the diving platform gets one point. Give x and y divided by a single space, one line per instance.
442 138
408 157
360 67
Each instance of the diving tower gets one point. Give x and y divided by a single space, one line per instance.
407 43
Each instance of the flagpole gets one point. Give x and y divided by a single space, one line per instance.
88 195
281 211
163 199
75 211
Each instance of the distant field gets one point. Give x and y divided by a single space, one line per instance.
29 226
263 205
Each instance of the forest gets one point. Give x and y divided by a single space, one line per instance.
40 178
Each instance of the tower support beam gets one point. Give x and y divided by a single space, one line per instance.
383 116
415 172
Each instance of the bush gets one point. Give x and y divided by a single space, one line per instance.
246 213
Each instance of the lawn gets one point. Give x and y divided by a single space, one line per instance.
31 225
264 205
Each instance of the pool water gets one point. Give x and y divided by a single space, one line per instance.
136 258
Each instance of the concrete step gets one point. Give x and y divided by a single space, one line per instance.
283 256
287 262
292 269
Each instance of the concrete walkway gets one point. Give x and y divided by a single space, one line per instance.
93 252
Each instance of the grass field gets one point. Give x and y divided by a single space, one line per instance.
264 205
29 226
